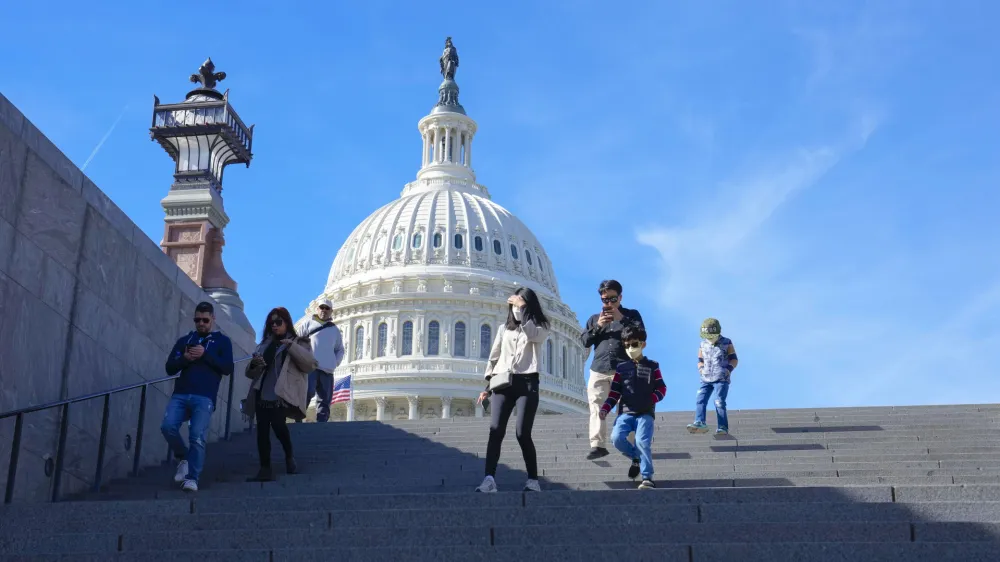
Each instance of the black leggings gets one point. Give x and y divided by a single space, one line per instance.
523 393
270 417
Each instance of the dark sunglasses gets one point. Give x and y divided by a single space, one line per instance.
633 345
609 300
277 322
202 320
324 307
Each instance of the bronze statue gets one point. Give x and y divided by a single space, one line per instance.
208 77
449 60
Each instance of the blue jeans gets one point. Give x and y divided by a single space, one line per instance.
198 411
643 448
704 392
321 383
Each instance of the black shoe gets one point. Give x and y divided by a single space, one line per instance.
633 470
596 453
265 474
290 466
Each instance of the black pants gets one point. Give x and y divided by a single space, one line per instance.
271 416
523 393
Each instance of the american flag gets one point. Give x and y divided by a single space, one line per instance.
342 390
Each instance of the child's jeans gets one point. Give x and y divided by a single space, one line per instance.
642 450
721 389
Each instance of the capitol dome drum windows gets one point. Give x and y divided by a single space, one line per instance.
407 338
459 242
418 241
433 337
485 341
437 240
513 251
527 256
459 339
397 242
383 333
478 243
497 247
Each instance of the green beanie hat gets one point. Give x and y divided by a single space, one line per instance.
711 330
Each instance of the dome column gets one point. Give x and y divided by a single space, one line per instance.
414 405
445 407
380 403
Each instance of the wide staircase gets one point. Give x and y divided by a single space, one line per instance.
907 484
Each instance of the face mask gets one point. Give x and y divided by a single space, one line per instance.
518 313
634 353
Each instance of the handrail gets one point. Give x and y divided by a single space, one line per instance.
64 428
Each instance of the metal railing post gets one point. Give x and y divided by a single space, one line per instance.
138 432
102 443
15 450
60 453
229 404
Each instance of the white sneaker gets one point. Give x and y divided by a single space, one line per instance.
489 486
189 486
532 486
182 472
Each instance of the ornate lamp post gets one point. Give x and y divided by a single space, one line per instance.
203 134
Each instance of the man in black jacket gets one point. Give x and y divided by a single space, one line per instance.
604 333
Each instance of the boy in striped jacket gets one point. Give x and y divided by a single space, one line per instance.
638 386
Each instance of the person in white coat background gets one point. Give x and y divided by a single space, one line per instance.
328 347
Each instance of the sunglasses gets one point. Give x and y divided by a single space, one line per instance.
202 320
609 300
277 322
633 345
324 308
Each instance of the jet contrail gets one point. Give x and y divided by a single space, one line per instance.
106 135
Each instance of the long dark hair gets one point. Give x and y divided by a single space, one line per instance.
282 313
532 310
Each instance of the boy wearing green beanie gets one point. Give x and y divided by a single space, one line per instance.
716 361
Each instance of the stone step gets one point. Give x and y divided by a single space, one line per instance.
614 533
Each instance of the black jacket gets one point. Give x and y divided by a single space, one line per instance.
607 340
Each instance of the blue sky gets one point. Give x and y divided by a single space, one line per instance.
822 177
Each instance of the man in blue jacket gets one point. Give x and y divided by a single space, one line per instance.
202 357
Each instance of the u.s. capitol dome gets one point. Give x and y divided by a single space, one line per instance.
419 289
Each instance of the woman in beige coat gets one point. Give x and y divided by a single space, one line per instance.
280 368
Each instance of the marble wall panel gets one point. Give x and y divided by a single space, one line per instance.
102 324
51 213
10 117
52 157
13 154
32 347
6 244
107 209
92 368
156 303
41 275
152 251
107 264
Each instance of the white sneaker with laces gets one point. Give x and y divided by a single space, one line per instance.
182 472
489 486
532 486
189 486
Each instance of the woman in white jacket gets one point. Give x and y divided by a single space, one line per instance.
512 373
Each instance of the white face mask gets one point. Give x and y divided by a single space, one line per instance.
634 353
518 313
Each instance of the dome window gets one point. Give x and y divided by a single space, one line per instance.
397 242
513 251
433 337
407 338
478 243
459 339
540 265
527 256
458 241
497 247
383 331
485 341
418 240
380 245
437 239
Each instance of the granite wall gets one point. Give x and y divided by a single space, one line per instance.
87 303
